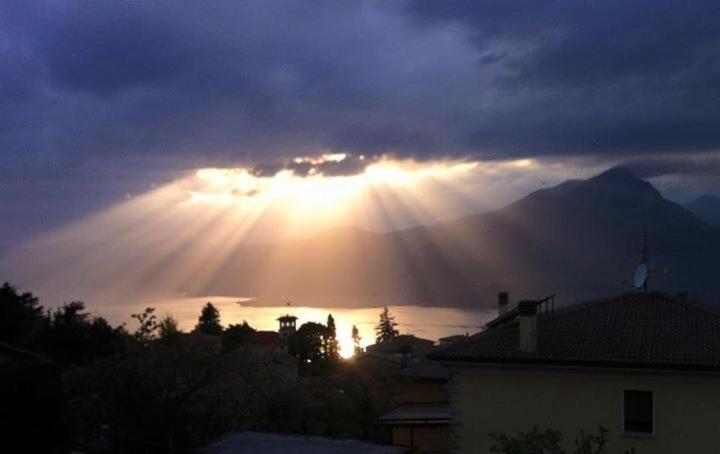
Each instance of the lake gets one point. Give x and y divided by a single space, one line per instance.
427 322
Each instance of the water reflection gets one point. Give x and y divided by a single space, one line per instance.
426 322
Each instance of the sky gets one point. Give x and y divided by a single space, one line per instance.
103 101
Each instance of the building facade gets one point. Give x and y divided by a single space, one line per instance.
644 366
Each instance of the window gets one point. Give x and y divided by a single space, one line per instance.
638 412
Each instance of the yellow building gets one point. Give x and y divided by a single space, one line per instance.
644 366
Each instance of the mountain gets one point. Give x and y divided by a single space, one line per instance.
581 239
707 208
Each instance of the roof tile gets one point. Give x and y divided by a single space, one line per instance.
652 330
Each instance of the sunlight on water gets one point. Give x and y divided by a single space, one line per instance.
426 322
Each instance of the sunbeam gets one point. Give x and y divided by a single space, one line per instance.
239 233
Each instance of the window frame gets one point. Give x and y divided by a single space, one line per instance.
628 433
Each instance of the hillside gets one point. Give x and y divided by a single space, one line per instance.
707 208
581 239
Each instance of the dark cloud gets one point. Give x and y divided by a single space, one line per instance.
349 165
677 166
115 47
328 166
173 85
256 81
598 77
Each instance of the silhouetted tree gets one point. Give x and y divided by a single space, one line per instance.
234 336
168 327
307 343
19 315
165 397
148 325
209 321
357 348
385 330
331 343
69 335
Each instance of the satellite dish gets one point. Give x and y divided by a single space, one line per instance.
641 276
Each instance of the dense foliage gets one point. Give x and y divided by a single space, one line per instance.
19 314
549 441
157 389
235 335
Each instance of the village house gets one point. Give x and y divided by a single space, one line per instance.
403 345
419 416
646 366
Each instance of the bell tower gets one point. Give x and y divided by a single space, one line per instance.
287 326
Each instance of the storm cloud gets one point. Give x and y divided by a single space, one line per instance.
167 86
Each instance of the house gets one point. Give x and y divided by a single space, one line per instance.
265 342
646 366
403 345
422 426
268 443
450 340
270 350
419 416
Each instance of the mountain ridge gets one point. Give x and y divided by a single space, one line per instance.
579 239
707 208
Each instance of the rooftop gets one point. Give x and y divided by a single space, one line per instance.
16 358
634 330
252 442
268 338
419 413
403 343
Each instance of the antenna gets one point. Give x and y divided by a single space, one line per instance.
641 273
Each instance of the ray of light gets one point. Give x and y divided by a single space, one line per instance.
201 235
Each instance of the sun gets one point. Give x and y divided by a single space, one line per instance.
382 194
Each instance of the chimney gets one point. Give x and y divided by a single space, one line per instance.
503 300
527 320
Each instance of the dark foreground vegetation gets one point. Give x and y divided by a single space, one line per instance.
548 441
151 388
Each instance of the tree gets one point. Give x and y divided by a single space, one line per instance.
19 315
209 321
385 330
308 342
168 327
331 343
235 335
148 325
69 335
357 348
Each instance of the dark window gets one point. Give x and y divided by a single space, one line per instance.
638 411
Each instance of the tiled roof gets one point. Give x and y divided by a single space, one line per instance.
270 338
635 330
14 357
269 443
419 413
